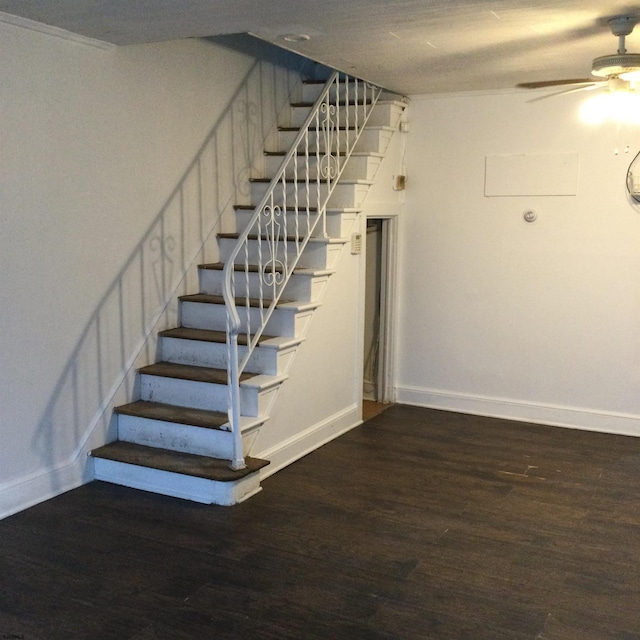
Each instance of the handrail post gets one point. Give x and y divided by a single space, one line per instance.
233 380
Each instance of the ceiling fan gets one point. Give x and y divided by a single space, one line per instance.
618 72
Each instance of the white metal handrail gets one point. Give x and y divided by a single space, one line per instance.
269 248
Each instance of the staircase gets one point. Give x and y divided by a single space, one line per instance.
202 405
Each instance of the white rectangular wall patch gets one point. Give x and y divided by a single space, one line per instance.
534 174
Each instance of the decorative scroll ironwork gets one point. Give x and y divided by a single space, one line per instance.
329 166
273 271
288 215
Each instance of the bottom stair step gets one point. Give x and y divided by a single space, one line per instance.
182 475
194 431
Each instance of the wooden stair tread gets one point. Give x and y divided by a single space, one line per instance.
252 207
307 104
341 128
208 298
206 335
303 181
311 154
290 180
252 268
254 236
341 103
172 413
176 462
190 372
314 210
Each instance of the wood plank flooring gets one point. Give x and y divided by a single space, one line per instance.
420 524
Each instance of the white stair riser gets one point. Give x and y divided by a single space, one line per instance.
311 91
316 255
283 321
296 194
202 395
189 393
339 224
214 355
343 195
176 437
297 223
200 315
176 484
208 354
359 167
384 114
373 140
303 288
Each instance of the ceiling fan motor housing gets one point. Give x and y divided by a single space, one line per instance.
614 65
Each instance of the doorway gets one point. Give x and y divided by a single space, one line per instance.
377 385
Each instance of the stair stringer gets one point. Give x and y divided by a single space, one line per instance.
298 353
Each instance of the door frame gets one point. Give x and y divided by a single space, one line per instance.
388 278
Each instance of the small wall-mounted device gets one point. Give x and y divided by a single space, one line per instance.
356 244
399 183
530 215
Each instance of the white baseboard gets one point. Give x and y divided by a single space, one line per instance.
310 439
557 416
26 492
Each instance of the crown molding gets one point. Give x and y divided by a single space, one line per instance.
56 32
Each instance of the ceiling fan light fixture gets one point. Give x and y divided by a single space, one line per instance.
631 76
620 106
616 65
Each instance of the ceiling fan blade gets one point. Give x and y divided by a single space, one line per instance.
541 84
584 87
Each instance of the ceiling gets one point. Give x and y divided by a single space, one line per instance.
409 46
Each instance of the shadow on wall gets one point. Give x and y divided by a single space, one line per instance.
120 335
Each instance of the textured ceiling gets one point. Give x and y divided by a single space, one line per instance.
409 46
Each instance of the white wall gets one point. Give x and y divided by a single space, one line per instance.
499 317
115 167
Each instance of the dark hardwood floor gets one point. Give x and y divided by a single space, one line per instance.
419 524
